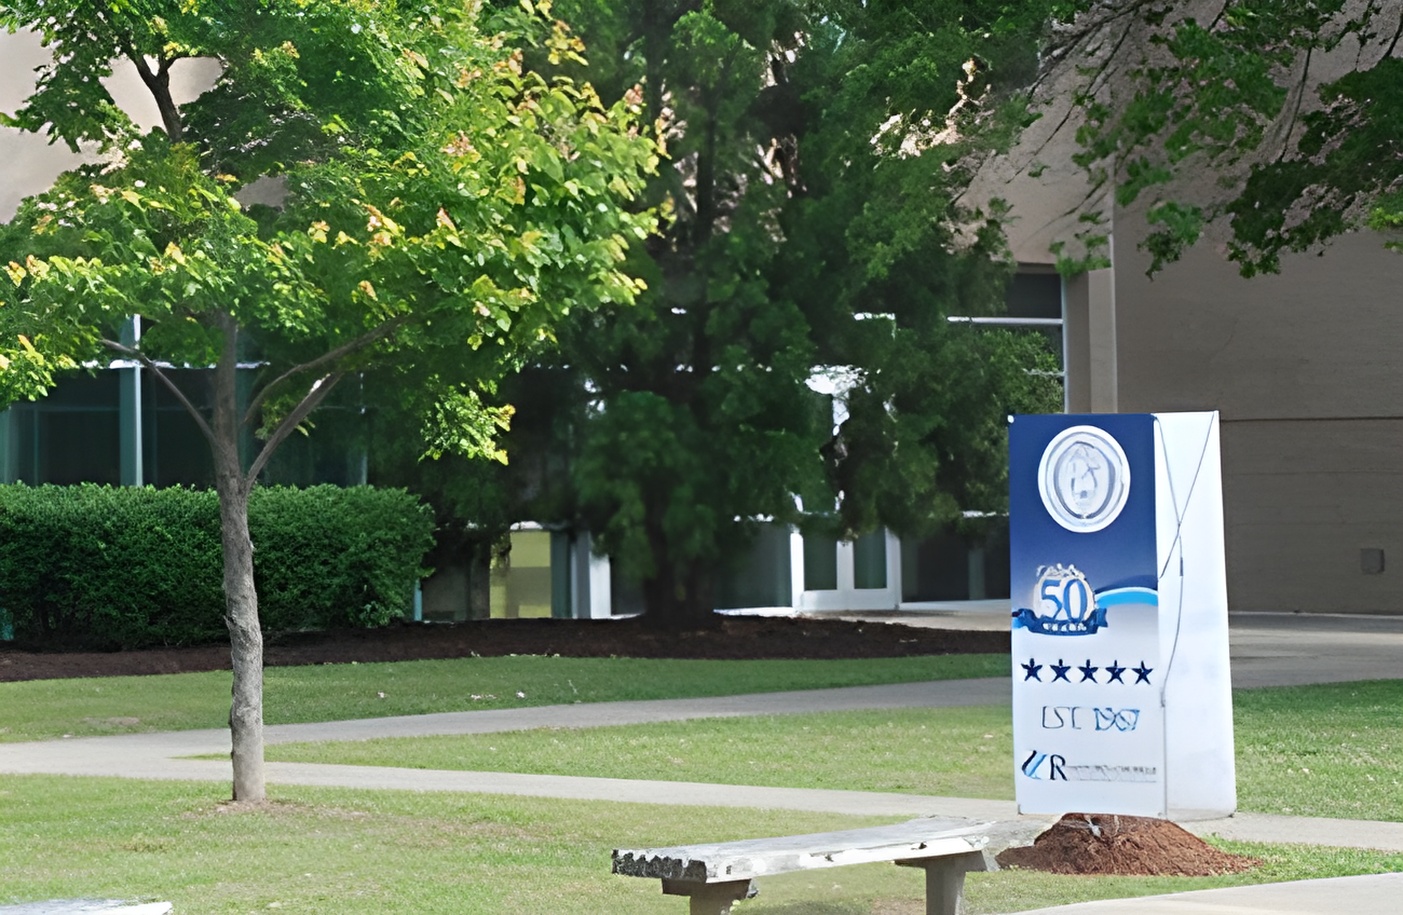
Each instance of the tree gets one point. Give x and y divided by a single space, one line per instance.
1291 104
441 209
817 151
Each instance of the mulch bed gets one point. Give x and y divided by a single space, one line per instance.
734 637
1106 844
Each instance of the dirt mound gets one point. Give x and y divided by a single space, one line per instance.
733 637
1104 845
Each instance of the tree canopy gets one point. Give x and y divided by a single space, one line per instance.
815 155
1291 106
437 209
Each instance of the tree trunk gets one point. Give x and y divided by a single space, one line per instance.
681 593
240 596
245 643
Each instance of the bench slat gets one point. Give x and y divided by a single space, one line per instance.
749 858
86 907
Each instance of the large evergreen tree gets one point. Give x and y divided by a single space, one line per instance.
816 155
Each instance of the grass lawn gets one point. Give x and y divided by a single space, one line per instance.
323 850
1318 750
44 709
1331 750
962 752
1328 750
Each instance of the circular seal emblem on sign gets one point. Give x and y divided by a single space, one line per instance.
1084 479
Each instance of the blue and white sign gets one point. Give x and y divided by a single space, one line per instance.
1102 511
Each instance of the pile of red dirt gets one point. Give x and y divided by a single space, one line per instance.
1094 844
733 637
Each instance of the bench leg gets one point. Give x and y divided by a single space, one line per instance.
710 898
945 880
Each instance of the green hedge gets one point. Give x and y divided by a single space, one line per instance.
125 567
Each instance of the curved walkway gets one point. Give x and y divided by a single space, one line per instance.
165 756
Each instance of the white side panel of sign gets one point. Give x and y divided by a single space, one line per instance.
1193 615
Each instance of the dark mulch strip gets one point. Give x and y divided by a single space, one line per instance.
733 638
1104 845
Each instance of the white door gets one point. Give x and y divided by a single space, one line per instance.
832 574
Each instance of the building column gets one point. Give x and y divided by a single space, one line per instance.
1089 328
129 409
8 463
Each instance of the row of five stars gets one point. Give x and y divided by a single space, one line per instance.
1033 671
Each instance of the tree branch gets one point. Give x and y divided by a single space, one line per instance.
146 362
373 335
1101 74
1397 33
313 398
157 83
1296 109
1222 11
1075 35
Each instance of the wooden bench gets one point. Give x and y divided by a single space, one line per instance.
716 876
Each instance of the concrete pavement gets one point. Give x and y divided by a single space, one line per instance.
1267 649
1376 894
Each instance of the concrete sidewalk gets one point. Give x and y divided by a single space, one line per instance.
1267 650
165 756
1377 894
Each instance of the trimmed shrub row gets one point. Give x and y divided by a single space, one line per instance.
126 567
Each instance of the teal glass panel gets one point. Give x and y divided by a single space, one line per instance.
820 562
870 560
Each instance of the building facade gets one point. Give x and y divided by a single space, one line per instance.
1303 367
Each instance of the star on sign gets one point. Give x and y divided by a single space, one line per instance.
1088 672
1115 670
1059 671
1032 670
1142 673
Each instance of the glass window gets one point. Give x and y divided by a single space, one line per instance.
820 562
1034 295
71 436
521 577
176 452
870 560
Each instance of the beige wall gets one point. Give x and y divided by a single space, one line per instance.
1306 368
1090 347
1321 339
1301 501
30 162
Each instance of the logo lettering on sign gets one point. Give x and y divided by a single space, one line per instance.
1033 766
1065 605
1122 719
1084 479
1099 773
1055 768
1076 718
